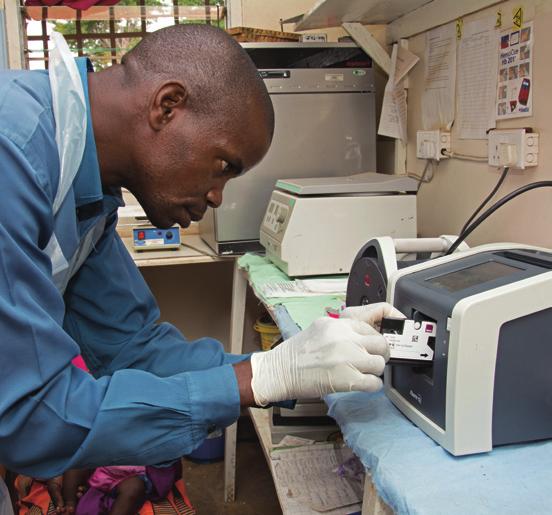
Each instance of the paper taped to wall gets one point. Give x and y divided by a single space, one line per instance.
438 99
405 62
515 73
393 110
477 70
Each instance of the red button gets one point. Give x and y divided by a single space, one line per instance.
367 280
141 235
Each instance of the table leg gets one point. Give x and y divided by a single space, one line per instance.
239 291
372 503
230 462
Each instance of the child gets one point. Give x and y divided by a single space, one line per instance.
117 490
114 490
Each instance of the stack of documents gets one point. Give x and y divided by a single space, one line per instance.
305 288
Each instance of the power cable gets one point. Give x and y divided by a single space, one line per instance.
493 208
487 199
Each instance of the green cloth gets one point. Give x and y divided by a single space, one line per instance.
302 310
261 271
305 310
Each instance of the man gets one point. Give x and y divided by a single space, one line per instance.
182 114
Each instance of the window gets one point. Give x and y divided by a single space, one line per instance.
104 33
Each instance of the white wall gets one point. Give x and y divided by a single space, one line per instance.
196 298
459 186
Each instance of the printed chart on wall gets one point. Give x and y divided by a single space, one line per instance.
515 68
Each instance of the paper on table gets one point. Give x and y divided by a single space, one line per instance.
293 441
308 475
284 289
337 285
439 78
393 109
303 288
477 78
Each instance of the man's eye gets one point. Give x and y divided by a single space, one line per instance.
229 169
225 167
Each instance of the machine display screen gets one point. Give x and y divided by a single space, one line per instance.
470 276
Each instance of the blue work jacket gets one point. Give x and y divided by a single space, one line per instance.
153 395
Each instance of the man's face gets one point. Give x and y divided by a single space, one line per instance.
185 167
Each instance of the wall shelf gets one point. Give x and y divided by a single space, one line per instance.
331 13
403 18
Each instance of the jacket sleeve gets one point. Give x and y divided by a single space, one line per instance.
54 416
112 314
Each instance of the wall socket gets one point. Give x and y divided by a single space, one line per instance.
515 148
432 144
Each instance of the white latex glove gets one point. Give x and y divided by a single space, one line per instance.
372 313
331 355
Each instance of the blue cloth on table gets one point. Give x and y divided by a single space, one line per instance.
414 475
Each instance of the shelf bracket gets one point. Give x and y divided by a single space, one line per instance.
364 39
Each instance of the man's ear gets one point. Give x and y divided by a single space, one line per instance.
168 99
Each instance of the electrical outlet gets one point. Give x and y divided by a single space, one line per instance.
515 148
432 144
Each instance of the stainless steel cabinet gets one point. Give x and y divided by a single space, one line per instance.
325 126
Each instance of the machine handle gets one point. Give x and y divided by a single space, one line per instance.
274 74
415 245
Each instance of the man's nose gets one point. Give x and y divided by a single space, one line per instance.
214 197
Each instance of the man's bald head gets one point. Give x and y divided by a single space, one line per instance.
185 113
219 76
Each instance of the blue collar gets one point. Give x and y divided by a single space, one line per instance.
87 185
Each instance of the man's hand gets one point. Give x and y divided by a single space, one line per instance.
372 313
243 376
332 355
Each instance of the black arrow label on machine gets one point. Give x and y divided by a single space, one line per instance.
409 341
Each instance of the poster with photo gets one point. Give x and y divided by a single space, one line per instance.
514 97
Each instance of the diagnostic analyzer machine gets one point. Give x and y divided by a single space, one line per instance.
489 382
314 226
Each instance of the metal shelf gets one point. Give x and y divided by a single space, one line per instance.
332 13
402 18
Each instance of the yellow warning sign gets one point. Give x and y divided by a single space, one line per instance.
518 17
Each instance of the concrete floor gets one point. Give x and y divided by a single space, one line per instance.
255 493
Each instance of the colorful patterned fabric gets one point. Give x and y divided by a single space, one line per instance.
176 502
37 501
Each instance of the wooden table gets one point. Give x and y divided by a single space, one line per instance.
193 250
241 296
